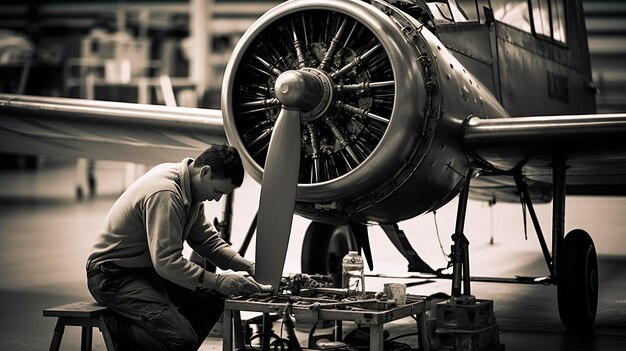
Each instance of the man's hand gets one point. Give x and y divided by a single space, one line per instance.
252 269
234 284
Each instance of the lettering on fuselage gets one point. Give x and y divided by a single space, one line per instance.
558 88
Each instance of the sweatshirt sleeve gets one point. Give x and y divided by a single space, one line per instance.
163 217
205 240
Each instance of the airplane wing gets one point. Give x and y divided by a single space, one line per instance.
105 130
592 147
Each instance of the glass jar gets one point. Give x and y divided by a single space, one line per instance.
352 272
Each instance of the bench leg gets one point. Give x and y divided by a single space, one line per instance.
227 330
240 343
86 337
422 331
106 335
376 338
58 335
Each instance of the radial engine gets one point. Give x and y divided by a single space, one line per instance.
381 127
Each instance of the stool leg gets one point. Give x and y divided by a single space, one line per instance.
58 335
106 335
86 337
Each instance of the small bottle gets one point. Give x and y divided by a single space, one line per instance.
352 269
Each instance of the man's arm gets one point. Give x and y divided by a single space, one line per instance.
163 221
163 214
205 240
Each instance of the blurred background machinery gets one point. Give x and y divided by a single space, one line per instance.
151 52
119 50
606 28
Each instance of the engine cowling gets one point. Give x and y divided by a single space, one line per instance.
379 142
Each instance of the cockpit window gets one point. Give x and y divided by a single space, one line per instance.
457 11
541 17
473 9
512 12
440 10
548 16
447 10
558 20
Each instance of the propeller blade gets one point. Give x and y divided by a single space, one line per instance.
278 196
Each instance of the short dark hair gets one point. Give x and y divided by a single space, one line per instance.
224 161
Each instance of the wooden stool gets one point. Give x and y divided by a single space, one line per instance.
84 314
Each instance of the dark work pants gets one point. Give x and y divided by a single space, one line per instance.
152 313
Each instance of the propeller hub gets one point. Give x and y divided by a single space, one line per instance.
308 90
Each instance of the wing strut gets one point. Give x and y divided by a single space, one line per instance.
558 210
523 188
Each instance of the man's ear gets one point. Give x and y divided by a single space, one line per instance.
205 171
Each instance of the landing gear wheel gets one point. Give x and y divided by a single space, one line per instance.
577 281
323 248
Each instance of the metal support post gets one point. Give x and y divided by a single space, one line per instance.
267 330
226 224
227 331
460 251
558 210
248 238
422 331
338 330
86 338
376 337
240 343
199 34
467 290
521 186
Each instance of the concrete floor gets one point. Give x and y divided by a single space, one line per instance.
45 236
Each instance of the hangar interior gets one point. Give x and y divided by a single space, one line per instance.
174 53
75 47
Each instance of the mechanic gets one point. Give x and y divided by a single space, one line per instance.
160 299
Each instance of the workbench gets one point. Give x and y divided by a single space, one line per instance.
372 314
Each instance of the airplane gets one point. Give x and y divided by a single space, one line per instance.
359 113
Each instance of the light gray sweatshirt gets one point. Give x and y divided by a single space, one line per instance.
147 225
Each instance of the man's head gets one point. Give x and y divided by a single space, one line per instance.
217 171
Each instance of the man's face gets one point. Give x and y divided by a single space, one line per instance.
211 187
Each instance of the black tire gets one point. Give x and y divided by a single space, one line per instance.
577 281
323 248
